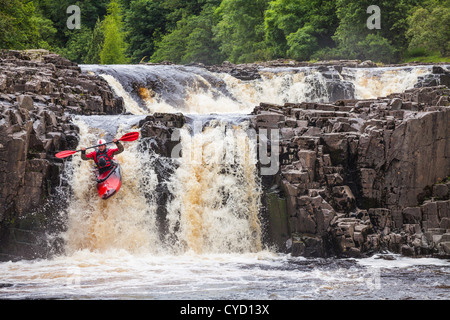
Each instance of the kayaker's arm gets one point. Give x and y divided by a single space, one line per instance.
119 148
83 154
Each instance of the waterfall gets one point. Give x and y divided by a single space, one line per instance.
213 199
170 89
195 90
379 82
126 221
188 226
214 193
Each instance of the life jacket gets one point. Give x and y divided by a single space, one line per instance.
103 160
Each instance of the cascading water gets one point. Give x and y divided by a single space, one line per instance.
379 82
221 160
216 191
127 221
211 246
194 90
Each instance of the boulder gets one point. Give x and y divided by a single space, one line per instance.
25 102
440 191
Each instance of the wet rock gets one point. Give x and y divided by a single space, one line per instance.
412 215
278 220
25 102
160 129
439 76
396 104
368 162
242 71
440 191
29 74
407 251
35 88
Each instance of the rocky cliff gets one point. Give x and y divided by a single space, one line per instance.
39 92
359 176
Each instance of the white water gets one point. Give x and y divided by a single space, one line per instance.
216 192
213 248
119 274
127 220
372 83
194 90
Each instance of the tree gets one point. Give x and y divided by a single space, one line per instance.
430 28
114 46
376 48
145 22
75 48
286 18
17 25
240 30
353 30
191 41
302 44
200 44
179 9
56 12
172 45
95 44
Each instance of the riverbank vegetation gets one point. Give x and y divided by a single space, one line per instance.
239 31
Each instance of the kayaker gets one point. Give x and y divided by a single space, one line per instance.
103 156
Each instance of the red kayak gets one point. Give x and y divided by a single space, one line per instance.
109 182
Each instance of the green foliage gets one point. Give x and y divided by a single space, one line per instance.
192 40
114 46
145 22
75 48
17 25
376 48
302 43
240 30
284 18
352 32
95 44
211 31
427 57
430 29
172 45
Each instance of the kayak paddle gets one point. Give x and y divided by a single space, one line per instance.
130 136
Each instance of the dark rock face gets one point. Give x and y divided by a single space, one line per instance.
439 76
39 92
355 174
159 128
157 132
55 81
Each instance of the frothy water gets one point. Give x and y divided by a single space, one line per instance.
216 191
125 221
214 195
194 90
372 83
118 274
